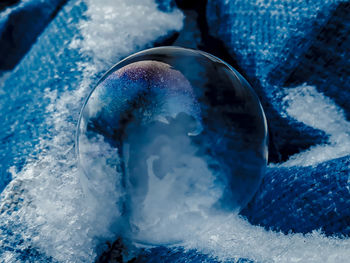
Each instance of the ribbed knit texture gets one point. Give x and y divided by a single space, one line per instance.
285 44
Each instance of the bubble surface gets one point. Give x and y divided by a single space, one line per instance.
183 133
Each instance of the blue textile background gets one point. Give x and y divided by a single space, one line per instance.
20 24
313 47
285 44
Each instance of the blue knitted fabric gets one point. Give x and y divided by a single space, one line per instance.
325 63
31 77
35 72
288 43
178 255
303 199
269 39
20 25
278 45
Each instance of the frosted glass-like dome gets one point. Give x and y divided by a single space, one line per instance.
184 134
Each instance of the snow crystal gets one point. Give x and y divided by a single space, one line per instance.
307 105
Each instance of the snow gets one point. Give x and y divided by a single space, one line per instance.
307 105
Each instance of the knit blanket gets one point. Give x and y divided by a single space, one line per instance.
294 53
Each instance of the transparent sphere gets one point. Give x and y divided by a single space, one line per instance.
182 135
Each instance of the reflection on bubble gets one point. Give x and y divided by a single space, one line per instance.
183 132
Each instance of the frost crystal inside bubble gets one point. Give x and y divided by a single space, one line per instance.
184 133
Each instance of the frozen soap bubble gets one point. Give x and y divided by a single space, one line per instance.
183 135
